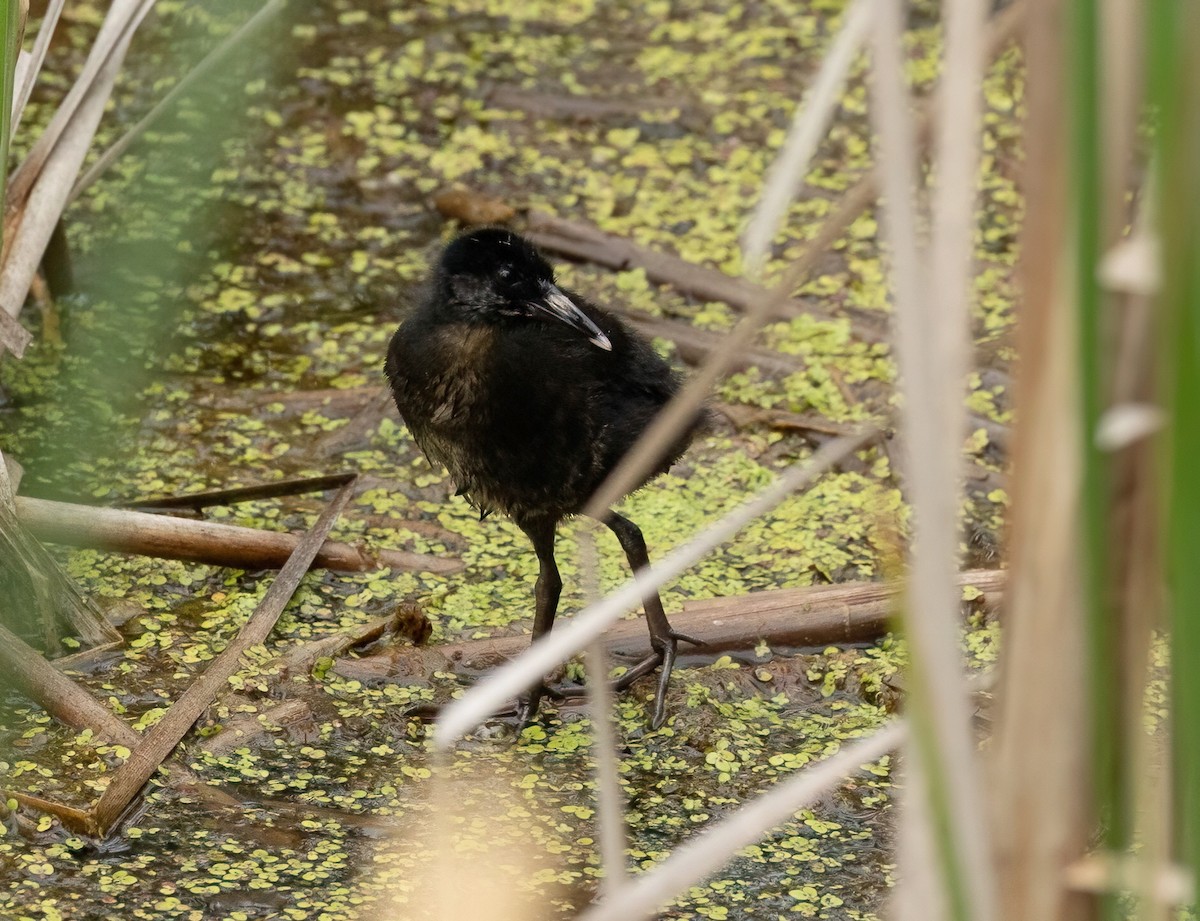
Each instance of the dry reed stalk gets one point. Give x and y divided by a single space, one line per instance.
206 66
1040 804
677 414
213 542
40 187
817 616
157 744
29 65
931 336
109 47
809 125
1131 420
21 667
610 799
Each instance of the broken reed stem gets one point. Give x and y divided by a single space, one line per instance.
794 618
123 18
32 64
610 798
707 852
1040 805
38 191
24 669
931 330
162 738
202 541
809 126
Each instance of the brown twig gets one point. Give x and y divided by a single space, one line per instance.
203 541
162 738
579 240
73 818
408 620
24 669
201 500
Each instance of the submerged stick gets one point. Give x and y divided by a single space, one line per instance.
247 729
203 541
23 668
407 620
579 240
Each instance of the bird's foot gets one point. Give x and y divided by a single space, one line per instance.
522 711
666 648
528 704
677 637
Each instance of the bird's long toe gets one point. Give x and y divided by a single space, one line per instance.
528 705
527 709
666 643
675 636
666 649
659 714
634 672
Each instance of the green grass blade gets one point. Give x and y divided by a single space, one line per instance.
1100 614
10 15
1174 68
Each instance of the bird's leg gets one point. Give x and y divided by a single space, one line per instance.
663 639
545 596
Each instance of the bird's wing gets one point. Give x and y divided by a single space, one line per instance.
445 410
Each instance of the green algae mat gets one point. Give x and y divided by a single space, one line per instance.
237 277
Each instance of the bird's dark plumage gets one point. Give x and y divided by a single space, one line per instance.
530 396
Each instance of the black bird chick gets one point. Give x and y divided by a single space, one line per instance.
530 396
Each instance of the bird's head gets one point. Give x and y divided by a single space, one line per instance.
491 274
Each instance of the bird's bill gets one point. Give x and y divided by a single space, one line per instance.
556 305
